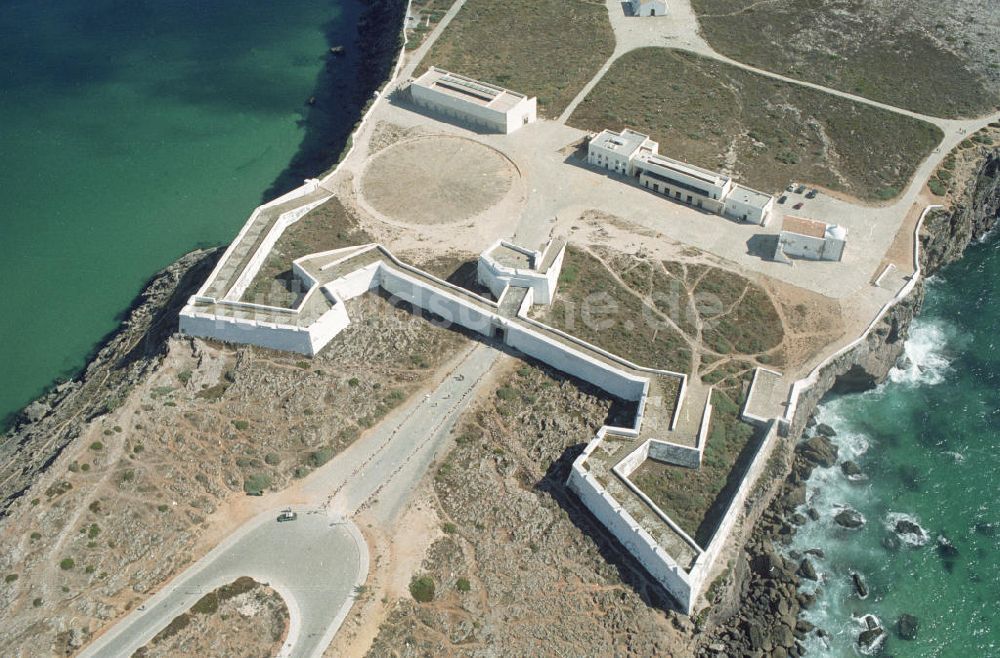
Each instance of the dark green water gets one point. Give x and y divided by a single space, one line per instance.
929 443
135 130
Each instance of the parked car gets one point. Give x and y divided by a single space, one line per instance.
287 515
811 194
790 188
783 198
797 206
800 189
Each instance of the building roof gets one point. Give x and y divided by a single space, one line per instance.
693 171
751 197
469 90
626 142
802 226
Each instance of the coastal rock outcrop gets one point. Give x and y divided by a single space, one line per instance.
944 238
47 425
849 518
907 626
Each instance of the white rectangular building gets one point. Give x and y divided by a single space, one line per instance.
618 151
748 205
633 154
649 7
810 239
471 101
683 182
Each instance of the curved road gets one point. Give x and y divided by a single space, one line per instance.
314 562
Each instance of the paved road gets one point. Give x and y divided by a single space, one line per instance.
314 562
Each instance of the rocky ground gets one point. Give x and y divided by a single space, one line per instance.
243 618
760 615
520 565
130 500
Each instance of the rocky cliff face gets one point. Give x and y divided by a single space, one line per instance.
945 235
48 424
761 615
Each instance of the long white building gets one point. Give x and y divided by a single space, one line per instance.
473 102
631 153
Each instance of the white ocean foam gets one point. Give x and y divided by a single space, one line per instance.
914 540
924 361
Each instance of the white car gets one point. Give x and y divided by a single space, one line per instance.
287 515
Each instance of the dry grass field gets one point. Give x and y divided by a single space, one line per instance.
544 48
765 132
931 57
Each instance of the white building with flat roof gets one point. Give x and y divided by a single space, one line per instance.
810 239
648 7
471 101
618 151
633 154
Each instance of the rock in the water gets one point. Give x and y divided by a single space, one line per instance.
851 470
819 450
818 552
825 430
988 529
870 641
807 570
860 588
849 518
812 513
891 543
907 626
948 552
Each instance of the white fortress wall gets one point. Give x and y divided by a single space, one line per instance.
673 453
357 283
552 276
636 540
561 357
233 330
448 306
227 254
705 563
248 274
328 326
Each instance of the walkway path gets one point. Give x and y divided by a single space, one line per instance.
314 563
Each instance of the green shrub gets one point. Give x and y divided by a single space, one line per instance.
163 507
256 483
66 563
206 605
353 382
938 187
37 603
302 364
449 528
506 393
272 459
184 376
35 536
93 531
320 457
463 585
241 425
9 578
96 446
422 589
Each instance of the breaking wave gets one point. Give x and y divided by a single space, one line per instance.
924 361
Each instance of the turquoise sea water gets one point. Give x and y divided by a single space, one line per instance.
928 441
133 131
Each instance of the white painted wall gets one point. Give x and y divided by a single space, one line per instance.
636 540
573 362
525 111
249 332
450 307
